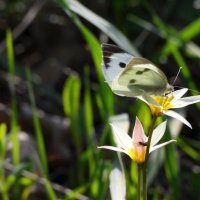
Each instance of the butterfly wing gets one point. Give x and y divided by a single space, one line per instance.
114 61
142 76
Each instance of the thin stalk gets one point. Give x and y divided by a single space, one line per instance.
139 181
154 118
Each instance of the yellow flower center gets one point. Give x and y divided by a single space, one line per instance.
137 153
164 102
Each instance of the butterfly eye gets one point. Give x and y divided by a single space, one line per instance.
169 89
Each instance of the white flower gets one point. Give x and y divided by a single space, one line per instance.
170 101
135 147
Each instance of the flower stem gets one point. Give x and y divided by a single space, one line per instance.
139 181
153 122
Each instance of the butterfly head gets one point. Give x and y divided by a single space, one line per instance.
169 88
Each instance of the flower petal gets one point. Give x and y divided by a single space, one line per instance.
138 133
186 101
178 93
148 100
158 133
113 149
174 114
123 138
161 145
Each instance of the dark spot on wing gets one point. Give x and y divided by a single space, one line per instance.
139 72
146 69
132 81
143 143
122 65
142 71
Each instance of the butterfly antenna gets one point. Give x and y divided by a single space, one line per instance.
177 75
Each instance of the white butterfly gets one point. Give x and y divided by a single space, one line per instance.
132 76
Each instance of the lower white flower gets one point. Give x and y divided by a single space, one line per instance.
135 147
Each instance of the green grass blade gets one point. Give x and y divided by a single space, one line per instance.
106 96
191 31
89 122
39 138
10 53
71 106
100 23
76 193
50 192
3 129
94 46
171 164
172 37
37 126
95 49
188 33
88 112
185 70
195 155
3 192
14 121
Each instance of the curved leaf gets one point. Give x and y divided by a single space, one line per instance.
110 30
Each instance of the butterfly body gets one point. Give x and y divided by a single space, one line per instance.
132 76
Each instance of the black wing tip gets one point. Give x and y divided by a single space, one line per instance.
111 48
108 50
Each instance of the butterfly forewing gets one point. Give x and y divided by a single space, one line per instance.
114 61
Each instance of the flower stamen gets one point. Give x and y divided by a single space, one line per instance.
137 153
164 102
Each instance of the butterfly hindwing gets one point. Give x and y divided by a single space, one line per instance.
140 75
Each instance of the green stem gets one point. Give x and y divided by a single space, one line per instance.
139 181
153 122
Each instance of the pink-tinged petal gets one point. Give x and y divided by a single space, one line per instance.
161 145
186 101
123 138
138 133
158 133
178 93
113 149
174 114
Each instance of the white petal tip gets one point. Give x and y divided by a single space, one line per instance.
173 140
189 125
